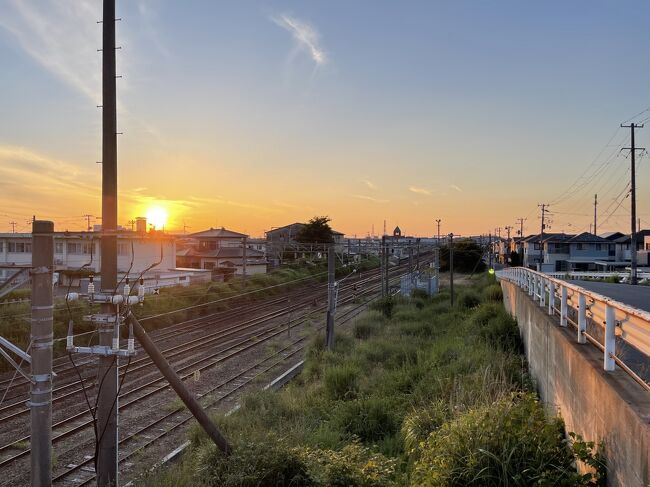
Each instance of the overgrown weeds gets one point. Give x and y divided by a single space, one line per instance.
420 393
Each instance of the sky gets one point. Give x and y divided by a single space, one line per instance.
252 115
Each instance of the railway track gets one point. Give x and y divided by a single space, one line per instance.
131 444
212 343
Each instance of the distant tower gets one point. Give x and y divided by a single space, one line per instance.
385 227
141 225
397 232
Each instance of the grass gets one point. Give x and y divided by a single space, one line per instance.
419 393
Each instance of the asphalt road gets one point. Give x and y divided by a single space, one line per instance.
637 296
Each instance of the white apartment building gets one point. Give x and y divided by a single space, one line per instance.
72 250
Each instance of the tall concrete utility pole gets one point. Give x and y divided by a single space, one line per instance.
244 256
595 214
107 406
490 250
544 208
507 256
451 268
438 223
40 399
331 297
633 149
521 226
88 217
13 227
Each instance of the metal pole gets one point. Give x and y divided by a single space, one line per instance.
633 278
244 256
107 405
329 336
40 400
382 256
451 267
386 274
177 384
595 213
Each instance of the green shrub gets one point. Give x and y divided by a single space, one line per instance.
613 279
485 312
341 382
507 443
352 466
368 325
469 299
385 306
502 331
254 464
493 293
369 419
419 424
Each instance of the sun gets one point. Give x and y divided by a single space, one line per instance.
157 217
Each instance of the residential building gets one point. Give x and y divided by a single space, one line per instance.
281 244
222 249
81 251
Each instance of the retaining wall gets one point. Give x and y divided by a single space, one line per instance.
571 381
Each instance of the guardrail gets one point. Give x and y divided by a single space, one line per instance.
596 275
590 313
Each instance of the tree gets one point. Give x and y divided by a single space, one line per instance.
515 260
468 257
317 230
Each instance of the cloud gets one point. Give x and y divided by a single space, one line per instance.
455 188
369 198
369 184
415 189
62 36
305 36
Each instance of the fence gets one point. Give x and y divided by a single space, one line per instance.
623 275
605 323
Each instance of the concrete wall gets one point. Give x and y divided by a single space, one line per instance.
596 404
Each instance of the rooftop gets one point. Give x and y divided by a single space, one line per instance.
218 233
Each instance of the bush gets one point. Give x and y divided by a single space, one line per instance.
341 382
354 466
254 464
469 299
418 425
368 325
484 313
369 419
502 331
493 293
506 443
385 306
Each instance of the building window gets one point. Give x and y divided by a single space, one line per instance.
599 247
536 246
123 249
580 246
19 247
79 248
2 246
58 247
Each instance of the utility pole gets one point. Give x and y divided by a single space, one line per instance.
438 223
244 257
382 261
88 217
386 275
107 405
507 256
13 226
417 254
131 222
331 297
490 250
521 226
633 149
544 208
40 399
595 213
451 267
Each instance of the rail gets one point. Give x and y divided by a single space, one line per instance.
623 275
599 320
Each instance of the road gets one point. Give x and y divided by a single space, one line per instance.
637 296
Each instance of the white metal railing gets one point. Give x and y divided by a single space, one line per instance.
579 307
624 275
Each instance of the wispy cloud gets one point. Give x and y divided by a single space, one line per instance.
61 36
369 184
369 198
455 188
305 36
417 190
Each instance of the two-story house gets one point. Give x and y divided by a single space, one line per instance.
219 248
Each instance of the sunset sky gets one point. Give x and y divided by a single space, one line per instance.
250 114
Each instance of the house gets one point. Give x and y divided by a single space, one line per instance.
281 243
623 249
222 249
